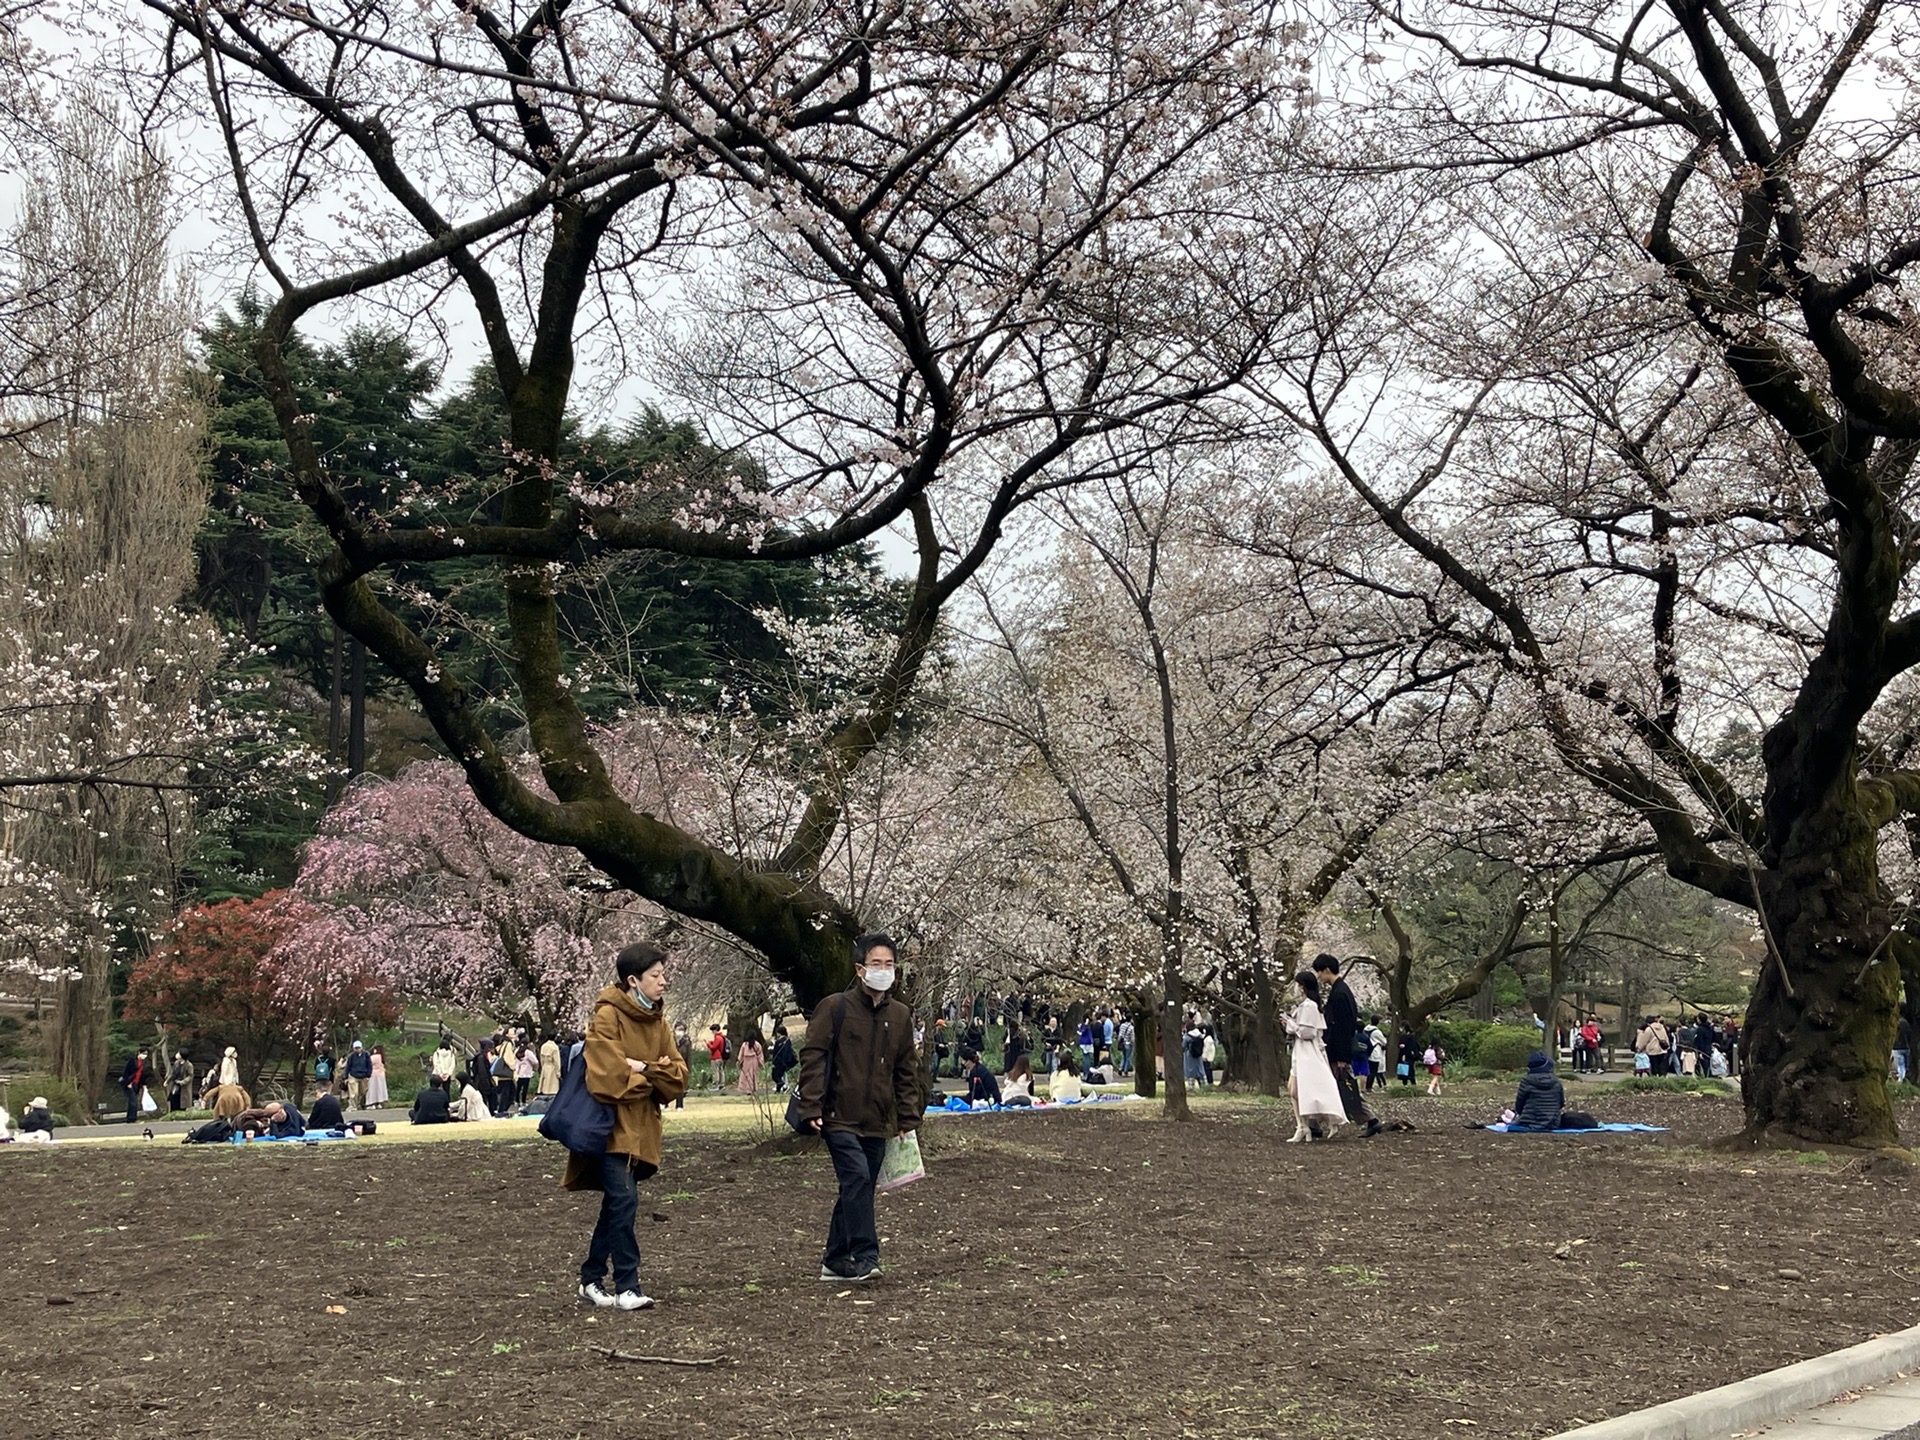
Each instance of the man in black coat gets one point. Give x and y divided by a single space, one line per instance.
430 1106
1342 1016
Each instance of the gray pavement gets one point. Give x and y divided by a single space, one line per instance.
1885 1412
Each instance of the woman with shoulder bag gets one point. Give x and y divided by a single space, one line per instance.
632 1066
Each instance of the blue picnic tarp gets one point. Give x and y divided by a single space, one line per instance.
1615 1127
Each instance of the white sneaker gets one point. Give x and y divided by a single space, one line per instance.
631 1300
595 1296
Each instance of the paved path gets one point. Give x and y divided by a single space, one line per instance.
1887 1412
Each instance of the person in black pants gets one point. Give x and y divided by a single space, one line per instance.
1342 1015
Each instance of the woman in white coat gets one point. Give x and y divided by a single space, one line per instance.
1311 1083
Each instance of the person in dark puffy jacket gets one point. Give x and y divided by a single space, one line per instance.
1541 1097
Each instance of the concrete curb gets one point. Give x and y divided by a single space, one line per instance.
1748 1404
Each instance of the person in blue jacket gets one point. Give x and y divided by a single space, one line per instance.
1541 1097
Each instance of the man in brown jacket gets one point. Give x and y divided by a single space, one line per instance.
633 1066
875 1094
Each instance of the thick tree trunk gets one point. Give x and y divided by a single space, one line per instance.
357 712
1171 1060
1252 1028
1814 1065
80 1042
1146 1044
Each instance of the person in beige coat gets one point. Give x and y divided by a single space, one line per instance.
549 1067
632 1065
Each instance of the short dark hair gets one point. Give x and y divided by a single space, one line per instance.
637 959
966 1054
867 944
1309 983
1324 961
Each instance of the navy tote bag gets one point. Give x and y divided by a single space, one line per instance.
575 1119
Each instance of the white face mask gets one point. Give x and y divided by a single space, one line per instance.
880 978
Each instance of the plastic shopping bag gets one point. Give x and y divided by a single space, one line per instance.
901 1164
147 1107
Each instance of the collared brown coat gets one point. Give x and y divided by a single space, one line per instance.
621 1031
876 1069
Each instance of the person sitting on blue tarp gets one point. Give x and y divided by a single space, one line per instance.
980 1082
1541 1097
326 1113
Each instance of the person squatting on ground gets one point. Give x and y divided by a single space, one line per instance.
868 1036
633 1066
1342 1021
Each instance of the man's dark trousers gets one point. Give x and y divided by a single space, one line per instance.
1350 1100
851 1235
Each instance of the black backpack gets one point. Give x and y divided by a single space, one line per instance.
214 1132
1196 1046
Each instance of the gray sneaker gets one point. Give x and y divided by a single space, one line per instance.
833 1274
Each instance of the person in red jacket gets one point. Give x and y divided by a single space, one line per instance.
133 1079
716 1056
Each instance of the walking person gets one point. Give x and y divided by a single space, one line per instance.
752 1052
1435 1059
716 1058
1376 1054
633 1066
784 1059
377 1081
1342 1019
859 1085
359 1068
135 1075
1409 1056
1124 1036
180 1083
1310 1081
524 1064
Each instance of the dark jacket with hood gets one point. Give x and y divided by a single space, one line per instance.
876 1071
430 1107
1541 1097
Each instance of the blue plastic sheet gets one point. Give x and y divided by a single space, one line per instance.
1614 1128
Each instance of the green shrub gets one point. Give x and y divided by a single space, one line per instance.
1455 1036
1469 1072
1504 1047
62 1098
1673 1085
1903 1090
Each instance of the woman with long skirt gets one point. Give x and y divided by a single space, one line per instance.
1311 1084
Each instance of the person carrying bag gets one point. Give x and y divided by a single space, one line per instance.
629 1065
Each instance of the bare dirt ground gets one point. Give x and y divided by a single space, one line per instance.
1097 1274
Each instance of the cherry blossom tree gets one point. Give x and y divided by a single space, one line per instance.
943 254
1625 364
453 906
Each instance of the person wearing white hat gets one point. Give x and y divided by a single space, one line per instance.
359 1068
38 1118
